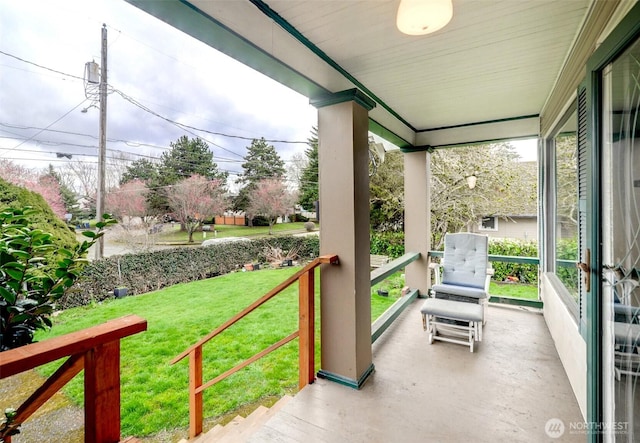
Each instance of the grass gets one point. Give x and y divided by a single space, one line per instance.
154 393
177 236
516 290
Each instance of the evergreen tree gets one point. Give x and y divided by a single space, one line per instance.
187 157
143 169
309 179
261 162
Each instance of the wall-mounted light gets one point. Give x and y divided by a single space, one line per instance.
420 17
471 181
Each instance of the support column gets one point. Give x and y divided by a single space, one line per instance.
343 156
417 218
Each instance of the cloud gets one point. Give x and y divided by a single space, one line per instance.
163 69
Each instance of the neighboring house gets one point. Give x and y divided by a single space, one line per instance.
520 227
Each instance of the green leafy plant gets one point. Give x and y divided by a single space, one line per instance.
29 284
8 426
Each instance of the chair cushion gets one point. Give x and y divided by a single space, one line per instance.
463 291
465 259
456 310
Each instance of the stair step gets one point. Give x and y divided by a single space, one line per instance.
240 429
252 422
217 435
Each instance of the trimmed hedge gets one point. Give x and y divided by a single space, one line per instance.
150 271
387 243
392 245
516 248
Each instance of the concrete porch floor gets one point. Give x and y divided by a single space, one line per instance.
505 391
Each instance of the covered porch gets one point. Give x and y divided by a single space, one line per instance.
499 71
507 390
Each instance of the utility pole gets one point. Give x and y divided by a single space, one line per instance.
102 146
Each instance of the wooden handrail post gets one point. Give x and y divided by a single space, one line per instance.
102 393
306 321
195 397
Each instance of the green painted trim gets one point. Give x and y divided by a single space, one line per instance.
383 272
349 95
387 134
620 38
192 21
424 148
355 384
499 258
387 318
487 122
284 24
538 304
625 34
484 142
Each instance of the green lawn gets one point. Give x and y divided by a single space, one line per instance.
516 290
177 236
154 393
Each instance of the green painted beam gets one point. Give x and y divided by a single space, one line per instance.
392 267
538 304
500 258
391 314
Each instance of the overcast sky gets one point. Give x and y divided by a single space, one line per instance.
159 67
164 70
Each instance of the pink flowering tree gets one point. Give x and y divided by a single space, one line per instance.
271 199
129 200
196 199
128 205
45 185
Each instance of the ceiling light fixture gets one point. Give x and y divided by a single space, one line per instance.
420 17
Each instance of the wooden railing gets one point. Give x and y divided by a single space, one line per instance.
97 351
306 374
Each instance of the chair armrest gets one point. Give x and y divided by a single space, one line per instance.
436 270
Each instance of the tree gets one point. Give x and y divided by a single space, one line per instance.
129 200
45 185
128 204
271 198
262 161
309 178
69 199
504 187
386 193
196 199
143 169
187 157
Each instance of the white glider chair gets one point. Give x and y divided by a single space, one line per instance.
456 310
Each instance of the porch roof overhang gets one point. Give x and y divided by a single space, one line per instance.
499 70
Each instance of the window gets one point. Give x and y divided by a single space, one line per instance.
489 224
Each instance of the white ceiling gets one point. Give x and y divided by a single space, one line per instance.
495 60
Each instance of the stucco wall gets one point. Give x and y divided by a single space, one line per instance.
570 345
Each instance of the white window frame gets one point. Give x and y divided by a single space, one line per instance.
495 224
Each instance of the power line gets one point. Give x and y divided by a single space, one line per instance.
40 66
48 126
148 110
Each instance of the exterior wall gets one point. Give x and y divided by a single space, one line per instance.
521 228
570 345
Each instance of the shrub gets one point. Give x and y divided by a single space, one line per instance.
387 243
524 272
29 284
298 218
154 270
260 220
310 226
